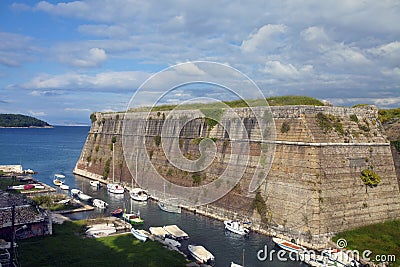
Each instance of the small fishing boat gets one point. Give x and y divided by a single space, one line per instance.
139 194
175 232
79 194
94 183
117 213
236 227
58 179
64 186
115 188
235 265
133 218
169 206
287 245
99 203
100 230
75 191
142 235
172 243
39 186
201 254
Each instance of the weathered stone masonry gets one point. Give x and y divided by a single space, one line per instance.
314 185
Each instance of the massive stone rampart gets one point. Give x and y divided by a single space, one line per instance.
314 187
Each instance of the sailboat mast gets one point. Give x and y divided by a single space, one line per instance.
113 161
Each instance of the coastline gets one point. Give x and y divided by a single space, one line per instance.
27 127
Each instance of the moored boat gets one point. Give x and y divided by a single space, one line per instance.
168 206
236 227
94 183
100 203
138 194
117 213
64 187
132 218
287 245
172 243
58 179
139 234
201 254
175 232
115 188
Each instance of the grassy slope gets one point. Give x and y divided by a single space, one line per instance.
381 239
67 248
272 101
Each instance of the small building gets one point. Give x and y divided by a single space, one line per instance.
29 220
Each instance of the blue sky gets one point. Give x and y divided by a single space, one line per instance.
60 61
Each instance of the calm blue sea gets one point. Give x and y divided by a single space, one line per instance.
56 150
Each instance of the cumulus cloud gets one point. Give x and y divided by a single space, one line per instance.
267 37
91 58
286 71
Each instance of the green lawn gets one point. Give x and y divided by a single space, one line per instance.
381 239
67 247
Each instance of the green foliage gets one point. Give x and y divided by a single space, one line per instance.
111 147
291 100
363 127
327 122
18 120
380 239
212 116
196 178
157 140
353 117
88 159
261 207
396 145
285 127
360 105
93 117
96 148
370 178
67 247
106 170
385 115
114 139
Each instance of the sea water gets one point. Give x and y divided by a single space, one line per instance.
56 150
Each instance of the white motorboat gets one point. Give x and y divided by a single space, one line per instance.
340 258
115 188
172 243
64 186
139 194
236 227
287 245
169 206
58 179
235 264
94 183
100 230
75 191
99 203
139 234
201 254
175 232
79 194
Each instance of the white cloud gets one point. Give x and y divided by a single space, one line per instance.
90 58
278 70
267 37
85 110
37 113
105 81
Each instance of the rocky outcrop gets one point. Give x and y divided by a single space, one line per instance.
314 187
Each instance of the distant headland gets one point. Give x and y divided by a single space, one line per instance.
21 121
